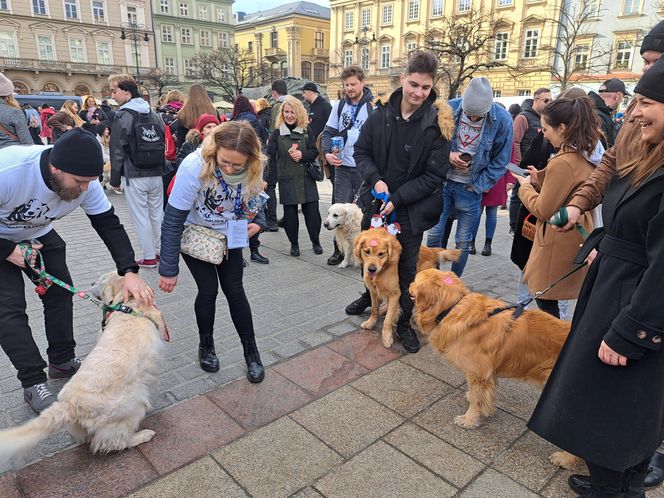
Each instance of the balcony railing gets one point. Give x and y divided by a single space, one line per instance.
68 67
320 52
390 71
275 52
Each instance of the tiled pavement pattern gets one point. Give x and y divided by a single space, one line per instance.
345 418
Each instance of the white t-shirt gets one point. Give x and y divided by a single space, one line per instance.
27 205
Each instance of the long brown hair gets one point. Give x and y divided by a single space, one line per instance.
198 103
67 109
241 137
11 101
646 158
580 120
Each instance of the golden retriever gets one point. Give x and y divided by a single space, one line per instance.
106 400
433 257
345 219
486 348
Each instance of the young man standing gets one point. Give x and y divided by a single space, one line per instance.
481 149
319 108
403 154
346 119
130 159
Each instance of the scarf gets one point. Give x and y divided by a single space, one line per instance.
235 180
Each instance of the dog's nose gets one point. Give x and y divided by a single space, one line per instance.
372 269
326 224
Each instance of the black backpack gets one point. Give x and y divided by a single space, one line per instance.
147 141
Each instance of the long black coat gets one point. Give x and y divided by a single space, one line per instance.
613 416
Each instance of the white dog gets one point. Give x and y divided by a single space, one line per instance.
345 220
106 400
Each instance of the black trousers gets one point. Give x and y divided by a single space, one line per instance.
610 483
271 206
410 251
34 133
332 170
549 306
208 277
311 219
514 207
15 336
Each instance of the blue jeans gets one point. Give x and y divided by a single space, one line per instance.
468 205
347 181
491 221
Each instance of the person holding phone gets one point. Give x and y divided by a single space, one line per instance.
92 115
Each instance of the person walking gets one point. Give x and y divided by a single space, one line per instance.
220 187
13 124
290 147
65 119
45 114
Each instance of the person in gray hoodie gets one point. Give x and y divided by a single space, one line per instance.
142 183
13 124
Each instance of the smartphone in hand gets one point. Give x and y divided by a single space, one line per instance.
517 170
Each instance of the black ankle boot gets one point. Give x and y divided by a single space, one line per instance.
655 474
257 257
255 370
318 249
472 248
336 258
207 357
295 249
487 248
358 306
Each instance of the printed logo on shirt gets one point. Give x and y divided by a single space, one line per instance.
469 133
347 118
212 207
28 212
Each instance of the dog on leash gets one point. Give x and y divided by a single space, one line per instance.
345 219
106 400
433 257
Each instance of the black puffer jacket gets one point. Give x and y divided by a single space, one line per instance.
605 115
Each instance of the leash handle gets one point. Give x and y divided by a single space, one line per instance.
385 198
560 219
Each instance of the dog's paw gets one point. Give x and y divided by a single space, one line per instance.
368 324
388 340
564 460
343 264
467 422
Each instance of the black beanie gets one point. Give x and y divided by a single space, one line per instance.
78 152
654 40
650 84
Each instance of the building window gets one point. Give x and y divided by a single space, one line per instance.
71 9
631 7
223 40
624 51
348 21
4 5
497 93
319 40
366 18
306 70
184 9
169 65
284 69
221 14
45 48
505 3
348 57
132 15
464 5
413 10
274 39
364 58
502 41
411 46
7 45
250 47
523 93
531 42
164 6
319 72
386 18
590 8
581 53
166 33
39 7
385 56
104 53
189 69
98 10
203 12
76 50
437 8
185 36
205 38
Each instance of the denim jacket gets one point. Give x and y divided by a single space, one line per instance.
493 151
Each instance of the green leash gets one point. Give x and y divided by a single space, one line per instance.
560 219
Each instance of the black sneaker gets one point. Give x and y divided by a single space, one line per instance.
64 370
358 306
408 338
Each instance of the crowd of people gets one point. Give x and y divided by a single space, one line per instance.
575 175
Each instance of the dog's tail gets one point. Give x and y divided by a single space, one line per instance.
14 442
445 255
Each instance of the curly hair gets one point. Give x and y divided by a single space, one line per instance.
298 108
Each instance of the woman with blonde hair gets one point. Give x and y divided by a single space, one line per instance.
65 119
197 103
291 146
13 124
92 115
219 186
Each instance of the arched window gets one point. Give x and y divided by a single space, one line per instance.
284 69
81 90
274 70
106 91
306 70
20 88
319 72
50 87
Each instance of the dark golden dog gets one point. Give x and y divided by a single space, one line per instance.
433 257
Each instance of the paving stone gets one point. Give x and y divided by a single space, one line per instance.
558 487
320 371
254 405
381 471
484 443
9 486
342 328
186 432
77 473
365 348
202 478
491 484
402 388
435 454
307 492
517 397
257 461
347 420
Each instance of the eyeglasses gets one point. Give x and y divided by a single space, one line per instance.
234 167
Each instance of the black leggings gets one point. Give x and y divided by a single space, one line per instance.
549 306
208 277
311 219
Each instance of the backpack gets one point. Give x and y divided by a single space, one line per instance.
147 141
171 151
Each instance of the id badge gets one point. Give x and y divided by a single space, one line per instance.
237 234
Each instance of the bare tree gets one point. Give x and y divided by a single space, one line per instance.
229 69
464 45
576 52
156 81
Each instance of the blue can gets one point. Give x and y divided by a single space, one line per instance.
337 145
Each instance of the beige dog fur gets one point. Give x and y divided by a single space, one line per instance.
345 219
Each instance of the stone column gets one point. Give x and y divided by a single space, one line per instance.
259 56
294 56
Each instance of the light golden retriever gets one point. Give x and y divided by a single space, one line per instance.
486 348
433 257
106 400
345 219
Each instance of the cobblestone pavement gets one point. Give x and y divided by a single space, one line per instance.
297 305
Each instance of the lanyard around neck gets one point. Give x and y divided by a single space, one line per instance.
237 211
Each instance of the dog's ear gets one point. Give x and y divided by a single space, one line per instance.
112 288
158 319
359 245
393 249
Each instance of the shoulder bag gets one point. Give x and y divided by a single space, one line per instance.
204 243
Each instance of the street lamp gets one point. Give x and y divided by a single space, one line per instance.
134 31
364 43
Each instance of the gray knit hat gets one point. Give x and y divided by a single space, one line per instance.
478 97
6 86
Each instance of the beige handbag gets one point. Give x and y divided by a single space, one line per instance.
204 243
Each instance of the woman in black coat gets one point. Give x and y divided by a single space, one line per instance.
604 400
